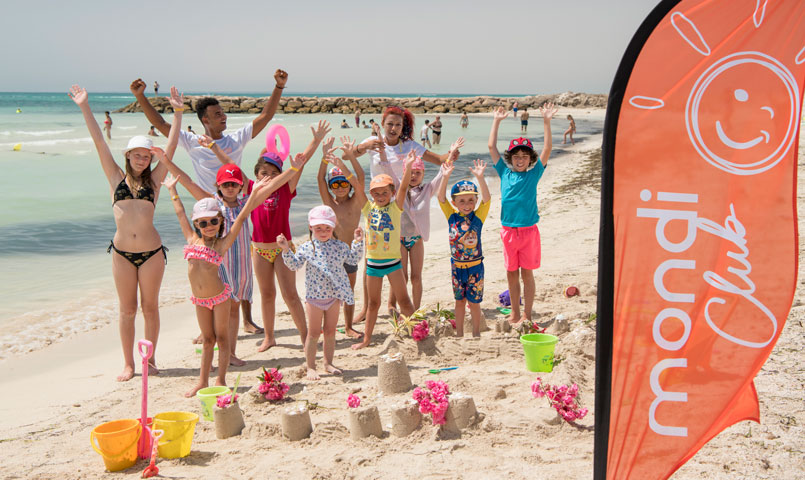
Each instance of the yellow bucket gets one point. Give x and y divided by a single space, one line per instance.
117 443
178 437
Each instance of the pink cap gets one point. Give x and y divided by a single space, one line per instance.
321 215
418 164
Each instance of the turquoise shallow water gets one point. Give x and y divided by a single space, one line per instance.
57 219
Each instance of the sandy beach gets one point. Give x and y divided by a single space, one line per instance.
57 395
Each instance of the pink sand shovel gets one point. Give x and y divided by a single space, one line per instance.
144 447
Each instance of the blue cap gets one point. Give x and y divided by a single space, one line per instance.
464 187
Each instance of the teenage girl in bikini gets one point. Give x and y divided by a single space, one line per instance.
107 125
206 246
139 261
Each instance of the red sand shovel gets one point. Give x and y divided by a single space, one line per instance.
144 447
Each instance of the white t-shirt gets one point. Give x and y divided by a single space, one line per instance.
395 154
205 163
423 132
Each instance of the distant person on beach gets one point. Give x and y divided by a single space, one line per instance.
337 193
515 106
326 282
363 124
357 117
206 246
236 270
156 89
571 129
213 118
397 125
423 134
524 121
139 259
344 124
189 129
269 220
464 121
464 229
436 126
520 170
152 132
107 125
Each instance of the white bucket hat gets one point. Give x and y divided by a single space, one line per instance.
206 207
138 141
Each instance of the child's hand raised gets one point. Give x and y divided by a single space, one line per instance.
548 110
282 242
281 78
410 159
447 168
176 99
170 182
327 146
500 113
297 161
358 234
478 167
321 130
457 144
160 154
79 95
206 141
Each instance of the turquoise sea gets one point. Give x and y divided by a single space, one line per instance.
57 218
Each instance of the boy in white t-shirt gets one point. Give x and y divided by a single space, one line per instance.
423 134
213 117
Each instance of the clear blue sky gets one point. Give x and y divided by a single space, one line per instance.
409 46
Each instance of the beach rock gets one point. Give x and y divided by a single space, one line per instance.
364 421
392 374
405 418
296 423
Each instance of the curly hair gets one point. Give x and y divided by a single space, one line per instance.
201 106
408 120
507 156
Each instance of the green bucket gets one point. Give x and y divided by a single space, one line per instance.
538 348
207 397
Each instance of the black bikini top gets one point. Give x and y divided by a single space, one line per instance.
123 192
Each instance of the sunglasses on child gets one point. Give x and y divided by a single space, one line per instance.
230 185
204 223
339 184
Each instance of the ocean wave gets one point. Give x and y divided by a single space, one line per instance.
127 127
37 133
42 143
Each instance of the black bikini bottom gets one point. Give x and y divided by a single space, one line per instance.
138 258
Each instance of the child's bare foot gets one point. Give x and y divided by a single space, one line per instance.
251 327
266 345
220 383
352 333
514 319
198 340
235 361
312 374
331 369
126 375
152 369
363 344
359 317
192 392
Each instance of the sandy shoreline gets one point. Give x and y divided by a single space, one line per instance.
62 392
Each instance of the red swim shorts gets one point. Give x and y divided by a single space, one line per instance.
521 247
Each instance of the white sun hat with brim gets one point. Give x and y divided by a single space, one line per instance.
138 141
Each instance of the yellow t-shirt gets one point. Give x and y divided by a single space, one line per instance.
382 230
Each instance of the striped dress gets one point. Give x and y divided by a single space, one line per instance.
236 271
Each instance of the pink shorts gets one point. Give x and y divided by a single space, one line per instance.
521 248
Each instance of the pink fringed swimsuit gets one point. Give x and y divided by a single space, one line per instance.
207 254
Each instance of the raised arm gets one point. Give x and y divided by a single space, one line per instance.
547 111
451 159
405 180
275 183
270 108
446 170
431 157
357 185
137 87
321 176
251 204
187 229
349 148
498 117
478 170
177 103
319 132
114 174
207 141
191 186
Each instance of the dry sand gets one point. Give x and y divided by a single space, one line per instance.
58 395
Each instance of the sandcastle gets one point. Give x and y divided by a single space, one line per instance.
364 421
405 418
392 374
296 423
228 421
461 413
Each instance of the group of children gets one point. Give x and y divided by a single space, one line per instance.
222 248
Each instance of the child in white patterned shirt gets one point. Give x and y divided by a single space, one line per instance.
326 282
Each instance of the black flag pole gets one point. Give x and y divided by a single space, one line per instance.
606 240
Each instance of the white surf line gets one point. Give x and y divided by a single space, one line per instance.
702 46
651 102
759 19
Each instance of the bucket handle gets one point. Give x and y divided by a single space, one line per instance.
184 432
93 438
